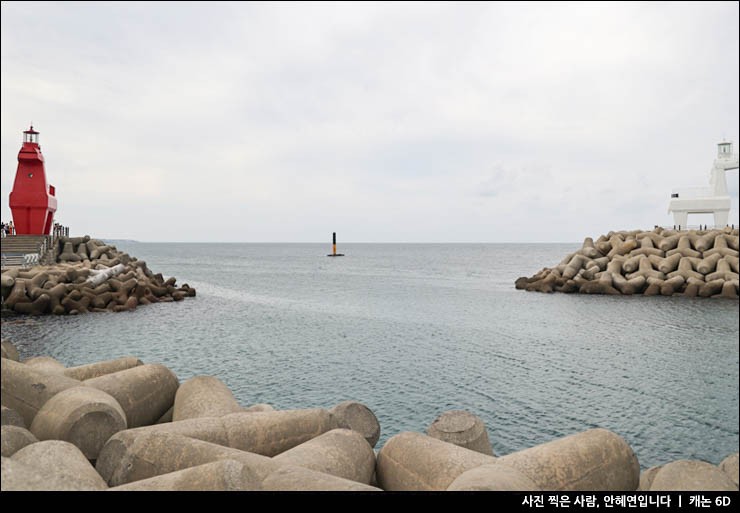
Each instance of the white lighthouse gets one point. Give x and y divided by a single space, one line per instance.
707 200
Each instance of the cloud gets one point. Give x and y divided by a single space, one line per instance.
395 121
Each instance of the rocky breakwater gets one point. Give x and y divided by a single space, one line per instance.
88 276
122 424
693 263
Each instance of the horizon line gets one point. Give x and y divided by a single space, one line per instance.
114 239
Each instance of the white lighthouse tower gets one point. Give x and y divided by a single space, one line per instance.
707 200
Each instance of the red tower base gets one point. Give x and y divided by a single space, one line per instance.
27 220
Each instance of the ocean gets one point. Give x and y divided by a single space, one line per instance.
413 330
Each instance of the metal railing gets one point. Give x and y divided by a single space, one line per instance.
695 227
45 252
59 231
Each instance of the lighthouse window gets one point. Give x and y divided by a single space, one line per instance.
30 175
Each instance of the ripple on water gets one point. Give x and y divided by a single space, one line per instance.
414 330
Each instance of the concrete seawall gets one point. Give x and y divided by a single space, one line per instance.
109 431
693 263
89 276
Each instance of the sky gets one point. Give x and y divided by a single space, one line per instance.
383 122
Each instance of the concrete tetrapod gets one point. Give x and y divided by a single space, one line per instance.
17 295
493 477
15 438
9 351
45 364
130 456
272 432
207 429
597 459
462 428
684 248
167 416
646 478
10 417
224 475
340 452
415 462
663 258
36 307
300 479
7 282
261 433
691 475
63 459
705 242
204 396
17 476
260 407
145 392
97 369
26 389
729 466
84 416
357 417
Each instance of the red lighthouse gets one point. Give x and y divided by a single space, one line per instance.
32 199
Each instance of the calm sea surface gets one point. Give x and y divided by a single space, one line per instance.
412 330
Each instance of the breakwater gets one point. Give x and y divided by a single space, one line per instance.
123 424
88 276
693 263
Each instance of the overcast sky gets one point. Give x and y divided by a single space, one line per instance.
384 122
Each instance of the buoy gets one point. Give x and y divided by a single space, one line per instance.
334 246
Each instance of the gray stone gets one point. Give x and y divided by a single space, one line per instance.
597 460
207 429
167 417
45 364
462 428
9 351
646 478
204 396
260 407
266 433
145 392
340 452
358 417
17 476
691 475
15 438
416 462
26 389
271 432
63 459
493 477
83 416
137 454
97 369
300 479
729 466
224 475
10 417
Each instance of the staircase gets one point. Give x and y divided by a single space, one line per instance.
15 249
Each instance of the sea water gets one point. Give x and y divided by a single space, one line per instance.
412 330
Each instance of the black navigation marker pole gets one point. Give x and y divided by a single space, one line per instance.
334 246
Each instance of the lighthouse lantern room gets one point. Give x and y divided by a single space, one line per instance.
32 200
